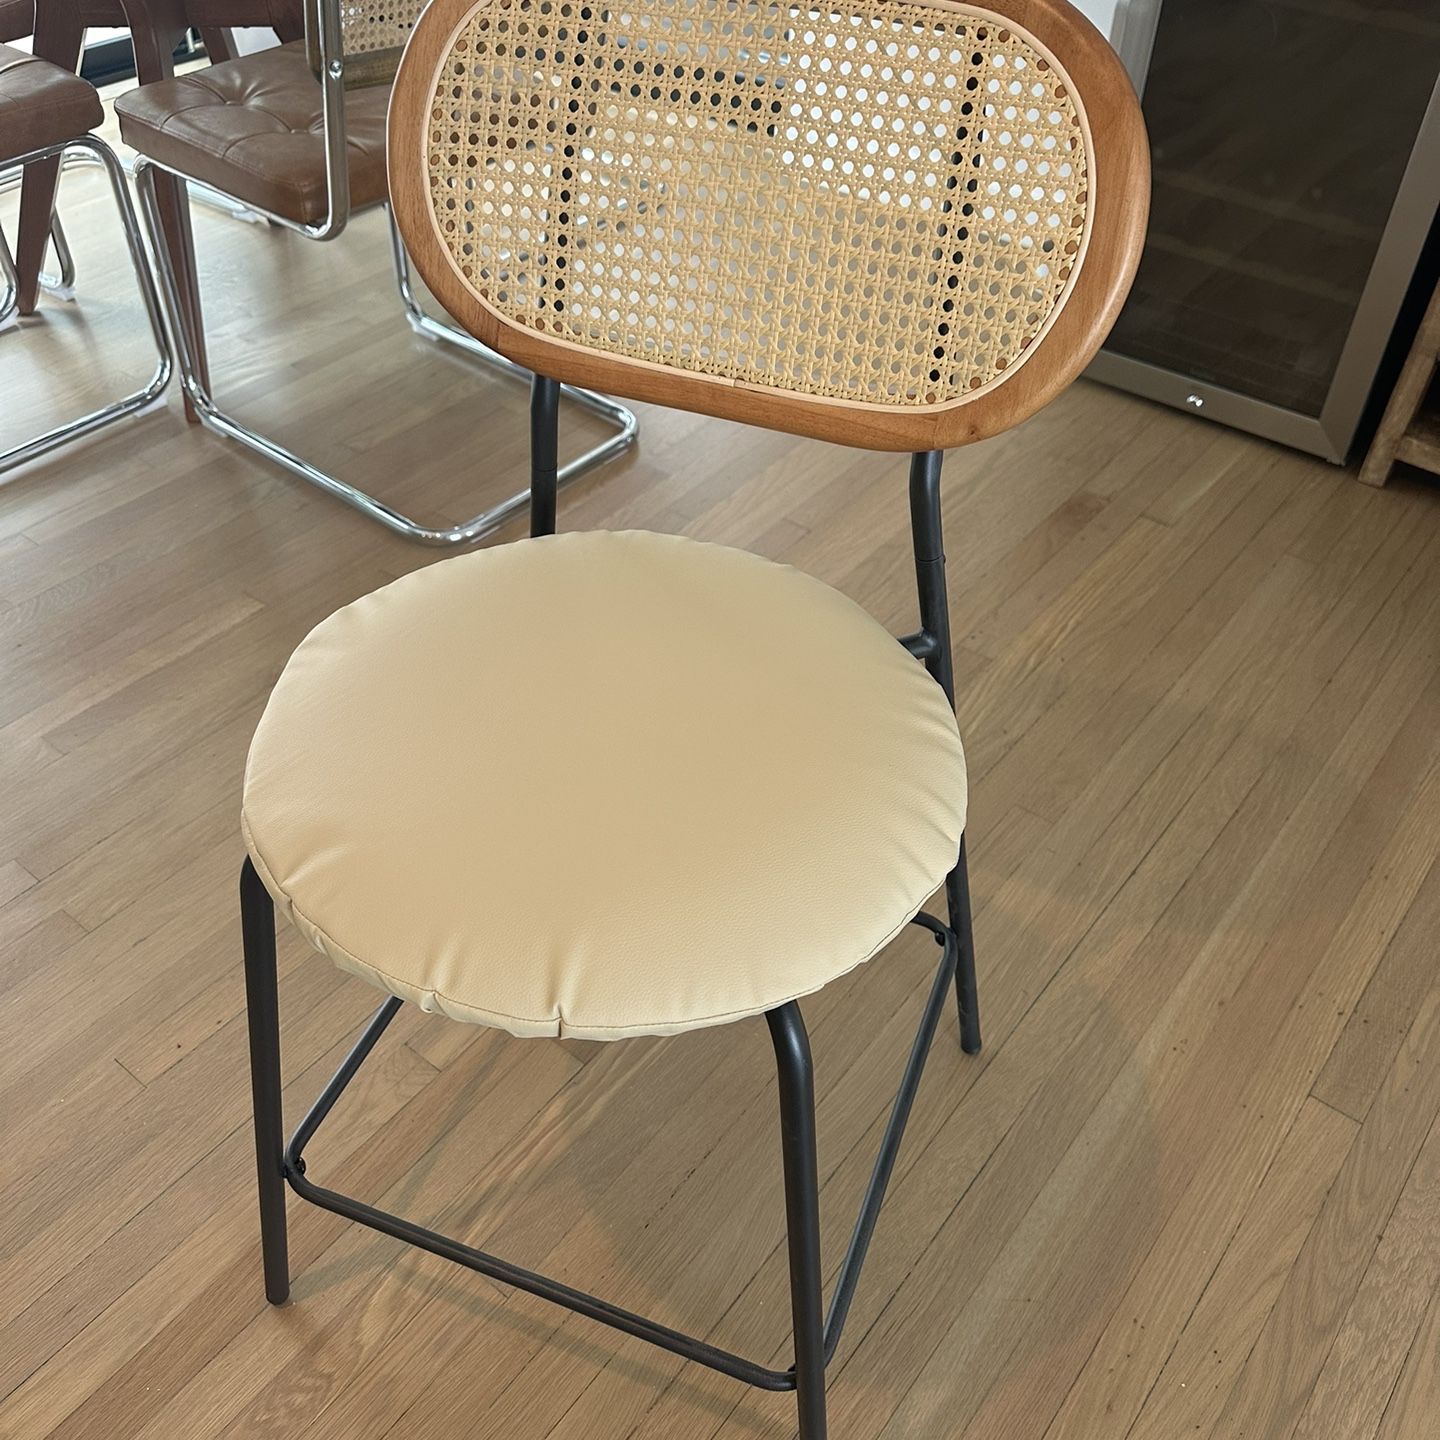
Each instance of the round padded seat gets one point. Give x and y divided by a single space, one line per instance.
603 784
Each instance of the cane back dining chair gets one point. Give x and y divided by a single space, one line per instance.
297 134
156 28
47 113
689 786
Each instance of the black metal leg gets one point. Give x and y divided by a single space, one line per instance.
262 1002
544 453
957 896
933 644
802 1213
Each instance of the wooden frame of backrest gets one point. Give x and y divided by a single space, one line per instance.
1119 176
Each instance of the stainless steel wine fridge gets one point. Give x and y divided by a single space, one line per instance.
1296 150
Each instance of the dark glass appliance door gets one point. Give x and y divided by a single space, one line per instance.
1280 131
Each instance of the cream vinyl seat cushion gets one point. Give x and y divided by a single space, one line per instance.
602 785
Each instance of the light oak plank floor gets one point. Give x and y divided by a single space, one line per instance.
1192 1187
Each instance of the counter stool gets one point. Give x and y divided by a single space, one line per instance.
297 133
46 113
617 784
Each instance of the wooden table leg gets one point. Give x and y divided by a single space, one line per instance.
155 30
155 37
58 36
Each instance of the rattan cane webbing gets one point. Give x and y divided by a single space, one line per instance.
884 202
369 26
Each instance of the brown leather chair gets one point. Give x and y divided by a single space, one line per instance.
156 28
298 134
45 112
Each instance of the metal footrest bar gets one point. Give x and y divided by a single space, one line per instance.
849 1276
580 1301
62 284
10 295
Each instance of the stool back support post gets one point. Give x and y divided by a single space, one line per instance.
802 1212
928 543
544 453
934 646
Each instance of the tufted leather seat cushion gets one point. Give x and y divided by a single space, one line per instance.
41 104
603 785
253 128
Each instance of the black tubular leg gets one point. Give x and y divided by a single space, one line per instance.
802 1212
928 541
957 896
544 453
927 535
262 1003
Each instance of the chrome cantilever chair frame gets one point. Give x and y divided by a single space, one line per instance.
61 284
149 393
325 18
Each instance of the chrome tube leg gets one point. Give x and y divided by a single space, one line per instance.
627 427
10 296
927 536
802 1212
62 284
160 377
262 1010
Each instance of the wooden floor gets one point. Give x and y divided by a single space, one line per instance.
1192 1187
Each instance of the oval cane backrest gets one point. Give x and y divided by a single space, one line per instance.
896 225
